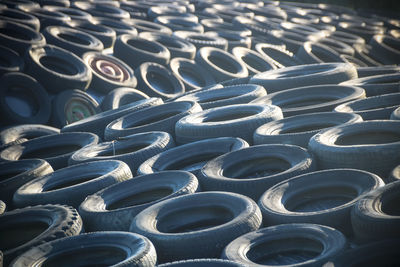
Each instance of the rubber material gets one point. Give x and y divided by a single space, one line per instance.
121 96
26 132
11 61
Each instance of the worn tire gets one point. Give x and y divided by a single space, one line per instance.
121 96
254 61
378 84
11 61
26 132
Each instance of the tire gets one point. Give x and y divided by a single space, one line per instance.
221 64
278 55
305 75
148 26
395 114
378 84
155 80
119 26
55 149
234 39
297 130
121 96
310 99
25 131
133 149
372 108
135 51
177 47
108 72
230 95
191 74
19 37
18 16
386 49
23 100
97 123
323 197
113 208
57 69
394 175
354 146
2 209
77 182
199 225
340 47
310 245
105 34
158 118
251 171
375 216
254 62
353 60
175 23
73 13
239 120
315 52
363 53
103 10
29 227
72 105
14 174
226 27
191 157
76 41
200 40
11 61
46 17
292 40
166 10
202 262
109 248
373 71
347 38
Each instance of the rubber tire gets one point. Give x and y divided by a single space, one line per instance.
108 72
373 71
61 221
103 10
202 262
119 26
46 17
73 13
378 84
76 182
62 114
278 55
355 150
239 120
310 99
395 114
305 75
3 208
176 23
248 248
11 61
297 130
93 248
234 39
281 204
230 172
155 80
244 216
50 149
21 17
254 61
191 157
63 70
25 131
14 174
315 52
24 88
200 40
97 123
147 26
385 48
133 149
121 96
113 208
158 118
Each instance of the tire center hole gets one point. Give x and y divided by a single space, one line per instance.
22 101
368 138
19 233
223 63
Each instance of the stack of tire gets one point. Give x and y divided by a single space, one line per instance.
198 133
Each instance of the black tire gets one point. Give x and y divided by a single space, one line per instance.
148 26
3 208
394 175
121 96
347 38
72 105
14 174
234 39
222 65
97 123
376 216
135 51
191 74
251 171
166 10
133 149
25 131
340 47
357 145
254 62
119 26
155 80
292 40
287 245
239 120
395 114
23 229
297 130
229 95
113 208
105 34
175 23
202 262
378 84
177 47
297 76
226 27
363 53
200 40
18 16
55 149
372 108
108 72
47 18
23 100
57 69
373 71
322 197
315 52
199 225
19 37
108 248
386 49
158 118
278 55
75 41
11 61
353 60
191 157
73 13
104 10
71 185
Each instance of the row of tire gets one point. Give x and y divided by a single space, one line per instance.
261 183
